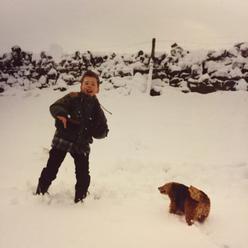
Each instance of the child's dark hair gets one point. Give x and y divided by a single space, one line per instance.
90 74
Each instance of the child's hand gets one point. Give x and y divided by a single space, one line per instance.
63 119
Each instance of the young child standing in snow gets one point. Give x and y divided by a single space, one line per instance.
78 118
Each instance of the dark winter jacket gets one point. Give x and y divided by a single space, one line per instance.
85 119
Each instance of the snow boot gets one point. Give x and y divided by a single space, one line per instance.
42 188
80 195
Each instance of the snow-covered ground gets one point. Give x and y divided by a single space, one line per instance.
194 139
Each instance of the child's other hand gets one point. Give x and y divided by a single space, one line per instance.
63 119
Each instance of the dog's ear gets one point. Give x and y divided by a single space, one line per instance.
195 193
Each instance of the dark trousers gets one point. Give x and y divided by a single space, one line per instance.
56 157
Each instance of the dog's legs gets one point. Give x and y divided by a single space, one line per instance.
173 207
201 218
189 216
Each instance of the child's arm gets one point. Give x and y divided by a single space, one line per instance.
63 120
61 107
99 129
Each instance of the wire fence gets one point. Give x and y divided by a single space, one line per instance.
164 45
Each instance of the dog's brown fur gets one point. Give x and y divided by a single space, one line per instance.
190 201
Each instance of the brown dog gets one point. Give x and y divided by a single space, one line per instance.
190 201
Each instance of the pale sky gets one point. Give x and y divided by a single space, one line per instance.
121 25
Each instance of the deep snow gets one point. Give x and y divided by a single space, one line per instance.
194 139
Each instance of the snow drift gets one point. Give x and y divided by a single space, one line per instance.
194 139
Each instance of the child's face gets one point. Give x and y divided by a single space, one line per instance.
90 86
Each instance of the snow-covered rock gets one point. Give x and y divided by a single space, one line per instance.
179 66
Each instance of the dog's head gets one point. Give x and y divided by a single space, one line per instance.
165 189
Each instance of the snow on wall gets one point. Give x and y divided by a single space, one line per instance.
221 70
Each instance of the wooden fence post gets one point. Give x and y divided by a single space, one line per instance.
151 62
